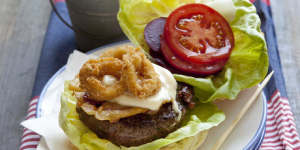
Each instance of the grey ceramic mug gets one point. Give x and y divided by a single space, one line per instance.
94 22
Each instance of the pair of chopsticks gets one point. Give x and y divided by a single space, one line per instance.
224 136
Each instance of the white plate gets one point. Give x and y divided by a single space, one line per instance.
247 134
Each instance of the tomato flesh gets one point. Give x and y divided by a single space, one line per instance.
198 34
189 67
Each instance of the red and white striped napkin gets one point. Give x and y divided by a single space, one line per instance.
30 139
281 133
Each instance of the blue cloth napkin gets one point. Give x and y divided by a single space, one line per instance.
58 44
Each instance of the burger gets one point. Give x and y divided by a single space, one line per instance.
160 93
122 98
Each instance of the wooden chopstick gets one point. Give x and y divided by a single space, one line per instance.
242 112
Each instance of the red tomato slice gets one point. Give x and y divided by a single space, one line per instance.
189 67
199 34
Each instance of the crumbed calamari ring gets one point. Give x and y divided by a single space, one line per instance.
91 78
141 79
117 52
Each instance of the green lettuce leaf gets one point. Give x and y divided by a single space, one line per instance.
192 133
248 63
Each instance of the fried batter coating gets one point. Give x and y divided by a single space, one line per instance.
133 71
117 52
91 78
75 85
141 79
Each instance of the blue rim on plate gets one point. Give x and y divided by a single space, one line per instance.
254 143
261 139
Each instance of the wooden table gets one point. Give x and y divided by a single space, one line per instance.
22 28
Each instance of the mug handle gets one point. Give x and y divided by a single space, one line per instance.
75 29
59 16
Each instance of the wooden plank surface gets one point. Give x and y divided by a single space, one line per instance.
23 25
287 23
22 28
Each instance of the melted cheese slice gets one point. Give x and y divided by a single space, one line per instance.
167 93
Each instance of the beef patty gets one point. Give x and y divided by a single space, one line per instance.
142 128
